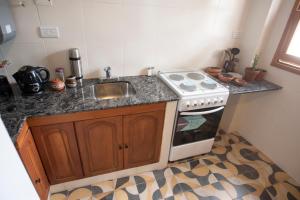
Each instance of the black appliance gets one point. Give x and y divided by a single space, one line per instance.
5 88
197 125
32 79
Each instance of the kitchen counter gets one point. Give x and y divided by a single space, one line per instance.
15 110
251 87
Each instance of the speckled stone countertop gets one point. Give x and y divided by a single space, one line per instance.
251 87
15 110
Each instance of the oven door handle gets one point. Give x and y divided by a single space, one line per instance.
202 113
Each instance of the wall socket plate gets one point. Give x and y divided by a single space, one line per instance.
236 35
43 2
49 32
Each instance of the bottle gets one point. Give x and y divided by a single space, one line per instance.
60 74
76 65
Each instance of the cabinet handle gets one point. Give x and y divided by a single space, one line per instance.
37 181
126 146
120 146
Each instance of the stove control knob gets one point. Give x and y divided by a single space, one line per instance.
215 101
195 103
187 104
208 101
202 103
221 100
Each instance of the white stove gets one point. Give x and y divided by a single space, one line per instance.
195 89
200 110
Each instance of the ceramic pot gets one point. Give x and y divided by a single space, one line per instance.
261 75
250 74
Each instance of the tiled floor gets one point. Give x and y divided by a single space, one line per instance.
234 169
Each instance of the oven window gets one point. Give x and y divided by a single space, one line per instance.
194 128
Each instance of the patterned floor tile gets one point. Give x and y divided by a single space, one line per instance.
104 196
83 193
284 191
124 182
103 187
177 197
213 191
239 186
223 170
59 196
234 169
144 177
127 193
195 178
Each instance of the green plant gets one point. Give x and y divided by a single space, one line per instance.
255 62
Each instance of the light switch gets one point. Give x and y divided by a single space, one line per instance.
49 32
236 35
43 2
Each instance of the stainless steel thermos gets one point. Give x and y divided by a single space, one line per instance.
75 61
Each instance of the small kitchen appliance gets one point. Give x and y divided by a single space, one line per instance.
76 65
199 112
32 79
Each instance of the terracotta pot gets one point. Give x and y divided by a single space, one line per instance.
261 75
250 74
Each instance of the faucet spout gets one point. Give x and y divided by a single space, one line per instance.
108 72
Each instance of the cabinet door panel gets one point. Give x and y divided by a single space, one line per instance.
142 138
100 145
59 152
33 165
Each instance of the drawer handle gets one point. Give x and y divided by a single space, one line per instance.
37 181
126 146
120 146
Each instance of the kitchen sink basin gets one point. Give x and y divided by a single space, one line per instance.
114 90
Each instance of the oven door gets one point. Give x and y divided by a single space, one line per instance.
197 125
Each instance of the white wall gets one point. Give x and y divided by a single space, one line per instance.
15 182
129 35
270 120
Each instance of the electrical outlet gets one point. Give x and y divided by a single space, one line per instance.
49 32
43 2
236 35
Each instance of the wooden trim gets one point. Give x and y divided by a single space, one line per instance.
79 116
22 135
280 54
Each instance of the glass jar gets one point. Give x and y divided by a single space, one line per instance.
60 74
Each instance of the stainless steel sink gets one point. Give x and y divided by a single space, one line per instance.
114 90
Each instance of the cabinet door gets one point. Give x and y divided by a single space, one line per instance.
100 145
59 152
142 138
33 165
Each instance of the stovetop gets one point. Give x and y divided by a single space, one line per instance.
192 83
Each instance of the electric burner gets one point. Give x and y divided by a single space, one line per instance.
209 85
176 77
195 76
188 86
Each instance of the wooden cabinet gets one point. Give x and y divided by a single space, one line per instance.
59 153
33 164
78 145
142 138
100 144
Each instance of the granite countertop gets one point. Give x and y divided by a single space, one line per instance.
251 87
15 110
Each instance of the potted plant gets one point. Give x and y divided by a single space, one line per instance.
261 75
252 72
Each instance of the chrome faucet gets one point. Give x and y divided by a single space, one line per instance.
108 72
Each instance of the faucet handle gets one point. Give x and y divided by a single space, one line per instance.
107 71
108 68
